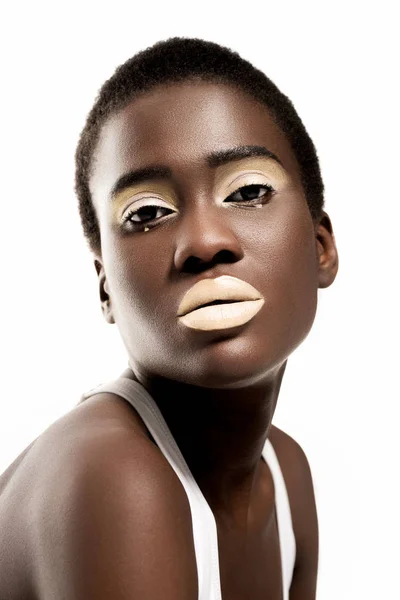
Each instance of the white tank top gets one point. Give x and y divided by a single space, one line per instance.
204 525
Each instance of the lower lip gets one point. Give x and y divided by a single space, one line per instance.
222 316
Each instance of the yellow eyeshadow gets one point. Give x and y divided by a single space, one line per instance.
265 167
267 170
145 191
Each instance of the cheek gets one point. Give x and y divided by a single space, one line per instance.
127 274
291 271
282 248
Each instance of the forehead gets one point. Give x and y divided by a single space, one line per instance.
178 125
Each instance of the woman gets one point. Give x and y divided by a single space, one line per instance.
201 200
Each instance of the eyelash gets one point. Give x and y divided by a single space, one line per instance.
252 202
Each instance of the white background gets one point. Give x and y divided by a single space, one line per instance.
339 397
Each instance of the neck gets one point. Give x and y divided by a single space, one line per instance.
220 433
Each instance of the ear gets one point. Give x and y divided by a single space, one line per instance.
104 292
327 254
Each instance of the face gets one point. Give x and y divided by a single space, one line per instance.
186 222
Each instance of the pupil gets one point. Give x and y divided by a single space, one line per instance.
146 211
250 192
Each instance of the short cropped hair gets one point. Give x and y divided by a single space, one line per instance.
179 59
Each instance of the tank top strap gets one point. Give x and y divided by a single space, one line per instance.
287 540
203 521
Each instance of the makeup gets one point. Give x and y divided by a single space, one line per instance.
231 302
222 316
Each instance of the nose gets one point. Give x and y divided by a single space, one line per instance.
205 236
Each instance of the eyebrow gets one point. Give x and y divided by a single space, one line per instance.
214 159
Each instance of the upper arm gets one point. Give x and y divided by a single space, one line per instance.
298 478
116 525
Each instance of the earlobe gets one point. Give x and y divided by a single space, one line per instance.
327 254
104 292
107 312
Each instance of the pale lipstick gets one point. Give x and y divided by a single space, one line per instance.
243 302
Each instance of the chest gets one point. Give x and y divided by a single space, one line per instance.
250 567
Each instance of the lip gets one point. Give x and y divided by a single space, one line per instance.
223 316
225 287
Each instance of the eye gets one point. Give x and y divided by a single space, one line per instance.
149 212
251 193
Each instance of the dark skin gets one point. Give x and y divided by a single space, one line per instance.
232 378
216 390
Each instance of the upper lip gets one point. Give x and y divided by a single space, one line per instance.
224 287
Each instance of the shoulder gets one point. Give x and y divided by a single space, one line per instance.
291 455
297 474
298 478
113 519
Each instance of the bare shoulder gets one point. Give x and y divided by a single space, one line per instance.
291 455
297 474
298 478
112 519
